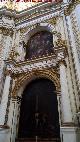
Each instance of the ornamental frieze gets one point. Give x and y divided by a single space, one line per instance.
6 31
50 73
23 67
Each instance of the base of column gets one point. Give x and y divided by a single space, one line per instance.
70 134
4 133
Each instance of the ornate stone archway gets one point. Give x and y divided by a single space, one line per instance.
25 78
39 98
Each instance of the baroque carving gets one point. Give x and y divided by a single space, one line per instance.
13 54
61 43
41 63
10 5
47 73
6 31
71 7
23 30
52 20
61 46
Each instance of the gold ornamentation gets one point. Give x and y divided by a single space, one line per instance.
52 20
7 72
36 60
13 54
71 7
7 31
61 43
23 30
27 77
10 5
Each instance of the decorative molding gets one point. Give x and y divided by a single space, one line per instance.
71 7
13 54
26 66
68 124
6 31
61 48
46 73
52 21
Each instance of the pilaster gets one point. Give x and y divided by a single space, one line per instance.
75 60
66 108
70 89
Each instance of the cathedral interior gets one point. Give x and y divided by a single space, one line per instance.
40 71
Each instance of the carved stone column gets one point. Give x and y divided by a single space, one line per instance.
61 50
75 59
66 108
4 99
13 117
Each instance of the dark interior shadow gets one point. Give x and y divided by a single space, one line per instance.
39 110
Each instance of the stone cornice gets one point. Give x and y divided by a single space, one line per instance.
36 8
35 12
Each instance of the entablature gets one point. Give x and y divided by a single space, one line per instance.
40 12
14 67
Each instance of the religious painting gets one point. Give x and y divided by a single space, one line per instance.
40 44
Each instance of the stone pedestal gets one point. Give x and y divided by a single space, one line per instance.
5 135
70 134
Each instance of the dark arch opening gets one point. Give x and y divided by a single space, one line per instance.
39 110
41 43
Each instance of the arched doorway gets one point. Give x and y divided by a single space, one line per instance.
39 110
